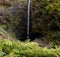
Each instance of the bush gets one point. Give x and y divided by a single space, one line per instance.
45 16
10 48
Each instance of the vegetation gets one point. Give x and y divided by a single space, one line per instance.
45 19
28 49
44 25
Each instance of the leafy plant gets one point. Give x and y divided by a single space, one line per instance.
28 49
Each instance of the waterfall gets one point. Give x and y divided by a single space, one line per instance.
28 21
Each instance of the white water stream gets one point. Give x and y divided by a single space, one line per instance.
28 21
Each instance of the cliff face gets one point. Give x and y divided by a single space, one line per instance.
9 4
45 18
12 14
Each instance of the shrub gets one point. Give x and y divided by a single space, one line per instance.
10 48
45 16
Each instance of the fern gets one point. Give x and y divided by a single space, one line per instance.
10 48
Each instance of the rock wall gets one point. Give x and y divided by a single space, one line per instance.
44 22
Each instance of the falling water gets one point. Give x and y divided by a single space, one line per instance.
28 21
